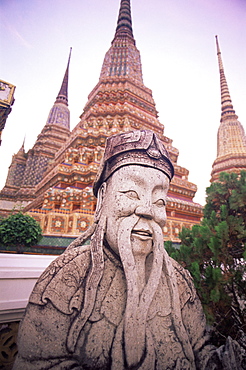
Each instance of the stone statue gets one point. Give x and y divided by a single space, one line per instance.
120 302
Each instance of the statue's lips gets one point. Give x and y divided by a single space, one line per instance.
142 234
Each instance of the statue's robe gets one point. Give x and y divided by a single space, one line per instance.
58 298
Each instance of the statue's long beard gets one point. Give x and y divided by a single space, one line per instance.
137 305
136 334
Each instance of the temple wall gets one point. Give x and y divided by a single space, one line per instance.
65 223
18 274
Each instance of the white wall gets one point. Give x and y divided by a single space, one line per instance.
18 274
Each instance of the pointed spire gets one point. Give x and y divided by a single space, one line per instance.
123 58
23 144
62 97
59 113
124 24
226 102
231 140
21 151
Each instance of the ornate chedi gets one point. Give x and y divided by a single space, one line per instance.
64 203
27 169
231 140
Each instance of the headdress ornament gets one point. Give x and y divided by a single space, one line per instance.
141 147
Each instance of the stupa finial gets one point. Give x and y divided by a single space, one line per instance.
124 23
226 102
62 96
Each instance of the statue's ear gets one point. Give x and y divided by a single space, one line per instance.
100 199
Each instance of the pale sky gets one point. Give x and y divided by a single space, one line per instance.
176 39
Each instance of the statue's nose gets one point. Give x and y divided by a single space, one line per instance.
144 211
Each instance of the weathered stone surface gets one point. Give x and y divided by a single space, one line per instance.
121 302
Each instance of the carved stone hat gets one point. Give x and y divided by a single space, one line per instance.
141 147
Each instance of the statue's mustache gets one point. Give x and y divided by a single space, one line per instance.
139 225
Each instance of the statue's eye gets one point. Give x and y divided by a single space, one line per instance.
160 203
131 194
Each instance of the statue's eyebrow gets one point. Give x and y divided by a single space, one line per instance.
137 180
159 187
162 187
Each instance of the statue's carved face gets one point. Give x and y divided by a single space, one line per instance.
135 193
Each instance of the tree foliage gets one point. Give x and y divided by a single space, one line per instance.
19 230
215 251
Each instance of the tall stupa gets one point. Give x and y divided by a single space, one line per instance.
28 169
63 201
231 140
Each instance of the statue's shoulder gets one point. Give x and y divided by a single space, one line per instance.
186 288
62 281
